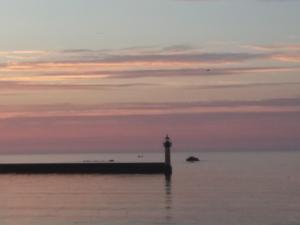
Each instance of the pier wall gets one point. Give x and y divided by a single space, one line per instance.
86 168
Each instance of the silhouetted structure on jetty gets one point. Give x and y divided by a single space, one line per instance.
94 168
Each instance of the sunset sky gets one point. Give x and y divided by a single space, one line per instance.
118 75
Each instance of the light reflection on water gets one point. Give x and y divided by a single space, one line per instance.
58 199
224 188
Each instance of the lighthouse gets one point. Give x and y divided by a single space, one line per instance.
168 144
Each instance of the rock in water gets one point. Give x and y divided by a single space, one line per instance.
192 159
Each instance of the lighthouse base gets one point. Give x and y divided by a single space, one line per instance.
168 170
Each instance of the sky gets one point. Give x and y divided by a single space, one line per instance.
118 75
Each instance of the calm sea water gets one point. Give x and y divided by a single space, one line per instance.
231 188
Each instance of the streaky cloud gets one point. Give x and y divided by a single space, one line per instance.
279 105
13 85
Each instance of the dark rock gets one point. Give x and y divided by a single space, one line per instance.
192 159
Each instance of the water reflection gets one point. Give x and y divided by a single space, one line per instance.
168 198
168 189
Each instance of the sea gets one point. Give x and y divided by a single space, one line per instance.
223 188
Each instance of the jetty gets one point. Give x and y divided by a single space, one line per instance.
94 168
